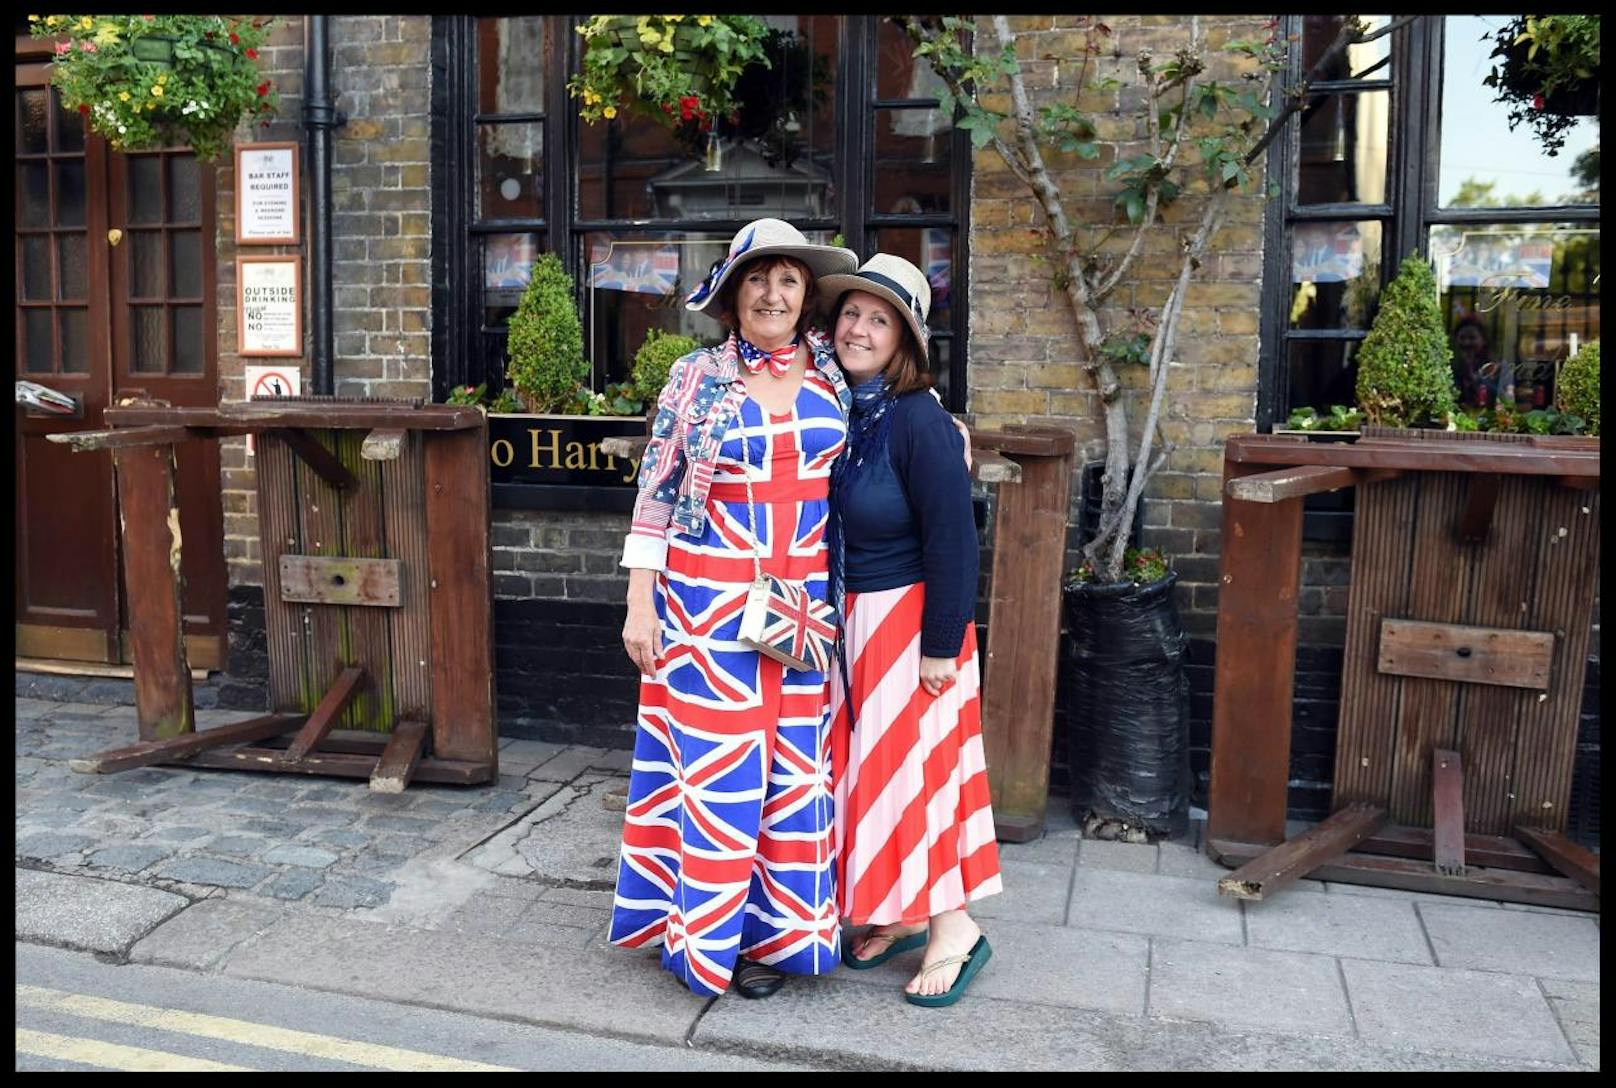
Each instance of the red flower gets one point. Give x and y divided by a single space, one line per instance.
689 107
263 88
84 110
252 54
235 39
1537 101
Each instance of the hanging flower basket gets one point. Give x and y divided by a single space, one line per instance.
1546 71
150 81
673 69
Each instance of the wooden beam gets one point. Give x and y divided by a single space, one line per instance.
1033 441
272 415
149 752
1262 876
382 444
320 460
343 765
994 468
1480 498
154 582
1289 483
340 580
1255 669
462 634
1576 862
325 715
126 437
1436 455
1488 851
1447 812
397 764
1411 875
1466 655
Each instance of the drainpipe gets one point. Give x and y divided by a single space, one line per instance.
320 116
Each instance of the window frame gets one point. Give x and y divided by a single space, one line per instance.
1411 209
460 352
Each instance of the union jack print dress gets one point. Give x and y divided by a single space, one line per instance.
727 842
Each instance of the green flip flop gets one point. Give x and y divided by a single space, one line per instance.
974 960
895 946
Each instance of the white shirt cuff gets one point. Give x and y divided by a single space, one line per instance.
644 552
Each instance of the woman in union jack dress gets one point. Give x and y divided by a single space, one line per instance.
727 860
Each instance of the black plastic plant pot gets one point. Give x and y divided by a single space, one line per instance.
1128 700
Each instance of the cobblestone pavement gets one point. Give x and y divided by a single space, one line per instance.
329 842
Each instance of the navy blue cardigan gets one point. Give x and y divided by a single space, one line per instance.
907 518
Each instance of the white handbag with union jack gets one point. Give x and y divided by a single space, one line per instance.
781 619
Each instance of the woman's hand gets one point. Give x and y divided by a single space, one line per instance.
642 634
936 673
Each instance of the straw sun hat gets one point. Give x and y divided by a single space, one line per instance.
770 238
892 279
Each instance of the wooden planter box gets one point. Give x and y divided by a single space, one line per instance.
1475 562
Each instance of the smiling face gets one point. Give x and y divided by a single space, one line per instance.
769 301
868 334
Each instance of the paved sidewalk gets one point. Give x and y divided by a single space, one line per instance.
494 901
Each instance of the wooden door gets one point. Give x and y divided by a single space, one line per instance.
115 296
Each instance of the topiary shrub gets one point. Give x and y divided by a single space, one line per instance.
546 346
655 358
1405 366
1579 386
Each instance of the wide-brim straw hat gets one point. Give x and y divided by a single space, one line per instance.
892 279
770 238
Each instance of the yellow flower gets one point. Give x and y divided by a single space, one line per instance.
157 90
52 20
86 23
123 96
610 112
674 18
163 78
107 35
33 18
704 20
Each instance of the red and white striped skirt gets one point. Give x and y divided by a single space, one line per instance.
914 825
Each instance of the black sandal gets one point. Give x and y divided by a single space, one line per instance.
754 979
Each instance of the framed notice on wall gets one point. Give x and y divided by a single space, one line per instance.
269 306
267 204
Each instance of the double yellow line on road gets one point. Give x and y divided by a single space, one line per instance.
244 1032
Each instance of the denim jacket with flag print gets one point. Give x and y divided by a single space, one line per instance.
701 399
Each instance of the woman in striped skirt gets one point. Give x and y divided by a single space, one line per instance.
914 825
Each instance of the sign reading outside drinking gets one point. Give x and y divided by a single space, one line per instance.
269 306
267 194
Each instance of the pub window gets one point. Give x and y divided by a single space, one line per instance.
840 135
1405 152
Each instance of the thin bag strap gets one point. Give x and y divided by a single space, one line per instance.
751 520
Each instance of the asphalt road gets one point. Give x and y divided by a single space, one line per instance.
75 1012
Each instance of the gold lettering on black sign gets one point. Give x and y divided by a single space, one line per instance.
546 452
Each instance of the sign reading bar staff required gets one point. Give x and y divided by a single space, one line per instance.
267 201
269 305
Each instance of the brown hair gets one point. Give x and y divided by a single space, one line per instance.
724 304
905 371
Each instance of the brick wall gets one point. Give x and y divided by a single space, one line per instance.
1022 366
380 224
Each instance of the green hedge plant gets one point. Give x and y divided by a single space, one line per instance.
1579 386
655 359
546 346
1405 366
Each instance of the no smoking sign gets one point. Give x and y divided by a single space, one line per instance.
272 381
